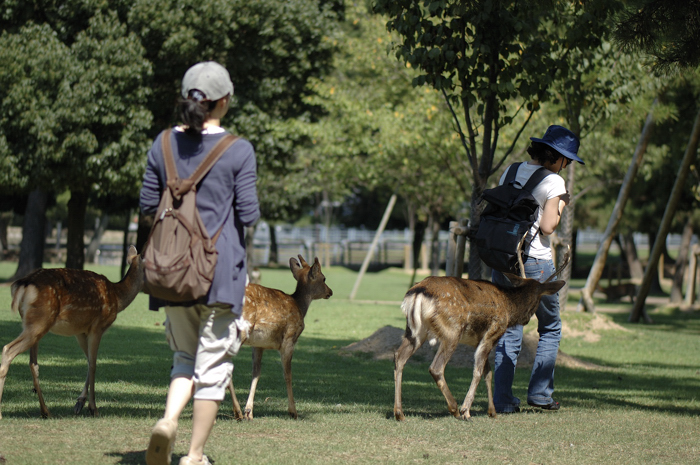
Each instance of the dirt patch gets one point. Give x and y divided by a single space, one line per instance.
384 342
590 332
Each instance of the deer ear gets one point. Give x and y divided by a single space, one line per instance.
131 254
295 266
315 268
553 287
514 279
302 261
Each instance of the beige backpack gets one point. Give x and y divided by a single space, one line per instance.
180 257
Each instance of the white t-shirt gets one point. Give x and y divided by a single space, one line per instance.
551 186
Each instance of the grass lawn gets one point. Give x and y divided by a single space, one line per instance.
641 406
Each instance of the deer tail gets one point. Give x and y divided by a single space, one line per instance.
21 292
417 307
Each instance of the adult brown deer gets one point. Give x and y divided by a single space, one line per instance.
474 312
276 322
69 302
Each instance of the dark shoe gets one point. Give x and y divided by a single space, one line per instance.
515 410
554 405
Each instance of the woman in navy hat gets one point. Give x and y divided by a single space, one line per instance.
554 151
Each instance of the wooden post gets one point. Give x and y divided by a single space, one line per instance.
372 246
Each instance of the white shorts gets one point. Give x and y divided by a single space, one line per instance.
204 339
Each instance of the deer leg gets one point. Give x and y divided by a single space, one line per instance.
257 362
286 353
237 412
409 346
93 346
488 375
480 361
34 368
23 342
80 403
437 371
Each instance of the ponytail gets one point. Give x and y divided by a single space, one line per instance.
193 111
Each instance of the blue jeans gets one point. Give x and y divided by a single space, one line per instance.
541 385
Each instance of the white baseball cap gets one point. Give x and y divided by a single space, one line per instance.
208 77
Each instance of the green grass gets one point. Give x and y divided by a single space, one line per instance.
642 406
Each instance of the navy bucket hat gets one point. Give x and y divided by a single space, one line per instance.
562 140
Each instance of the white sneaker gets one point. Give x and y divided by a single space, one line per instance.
186 460
162 441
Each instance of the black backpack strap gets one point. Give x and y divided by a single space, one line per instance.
535 179
511 173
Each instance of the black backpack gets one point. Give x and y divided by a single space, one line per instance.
509 215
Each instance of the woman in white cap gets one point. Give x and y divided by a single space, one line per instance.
554 151
204 334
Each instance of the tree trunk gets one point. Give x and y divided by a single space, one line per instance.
96 240
418 238
655 286
143 231
125 242
75 245
630 249
434 244
681 263
586 302
688 159
475 264
566 233
31 254
5 219
273 259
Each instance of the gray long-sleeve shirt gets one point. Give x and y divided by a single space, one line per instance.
226 196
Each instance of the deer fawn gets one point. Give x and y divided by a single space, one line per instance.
69 302
276 322
475 312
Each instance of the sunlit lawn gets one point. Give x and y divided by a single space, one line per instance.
641 406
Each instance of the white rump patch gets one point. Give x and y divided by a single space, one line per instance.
417 309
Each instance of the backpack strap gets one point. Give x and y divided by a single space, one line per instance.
178 186
536 178
211 158
510 175
531 183
203 168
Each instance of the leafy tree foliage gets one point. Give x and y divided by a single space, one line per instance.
494 62
117 83
668 30
379 132
74 114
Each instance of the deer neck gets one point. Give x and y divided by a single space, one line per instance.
523 307
129 287
302 299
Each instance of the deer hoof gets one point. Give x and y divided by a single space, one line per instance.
79 406
294 415
94 412
248 415
464 415
399 416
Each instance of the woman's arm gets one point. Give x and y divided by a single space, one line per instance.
552 213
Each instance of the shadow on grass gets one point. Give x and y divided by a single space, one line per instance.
672 320
134 363
137 457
